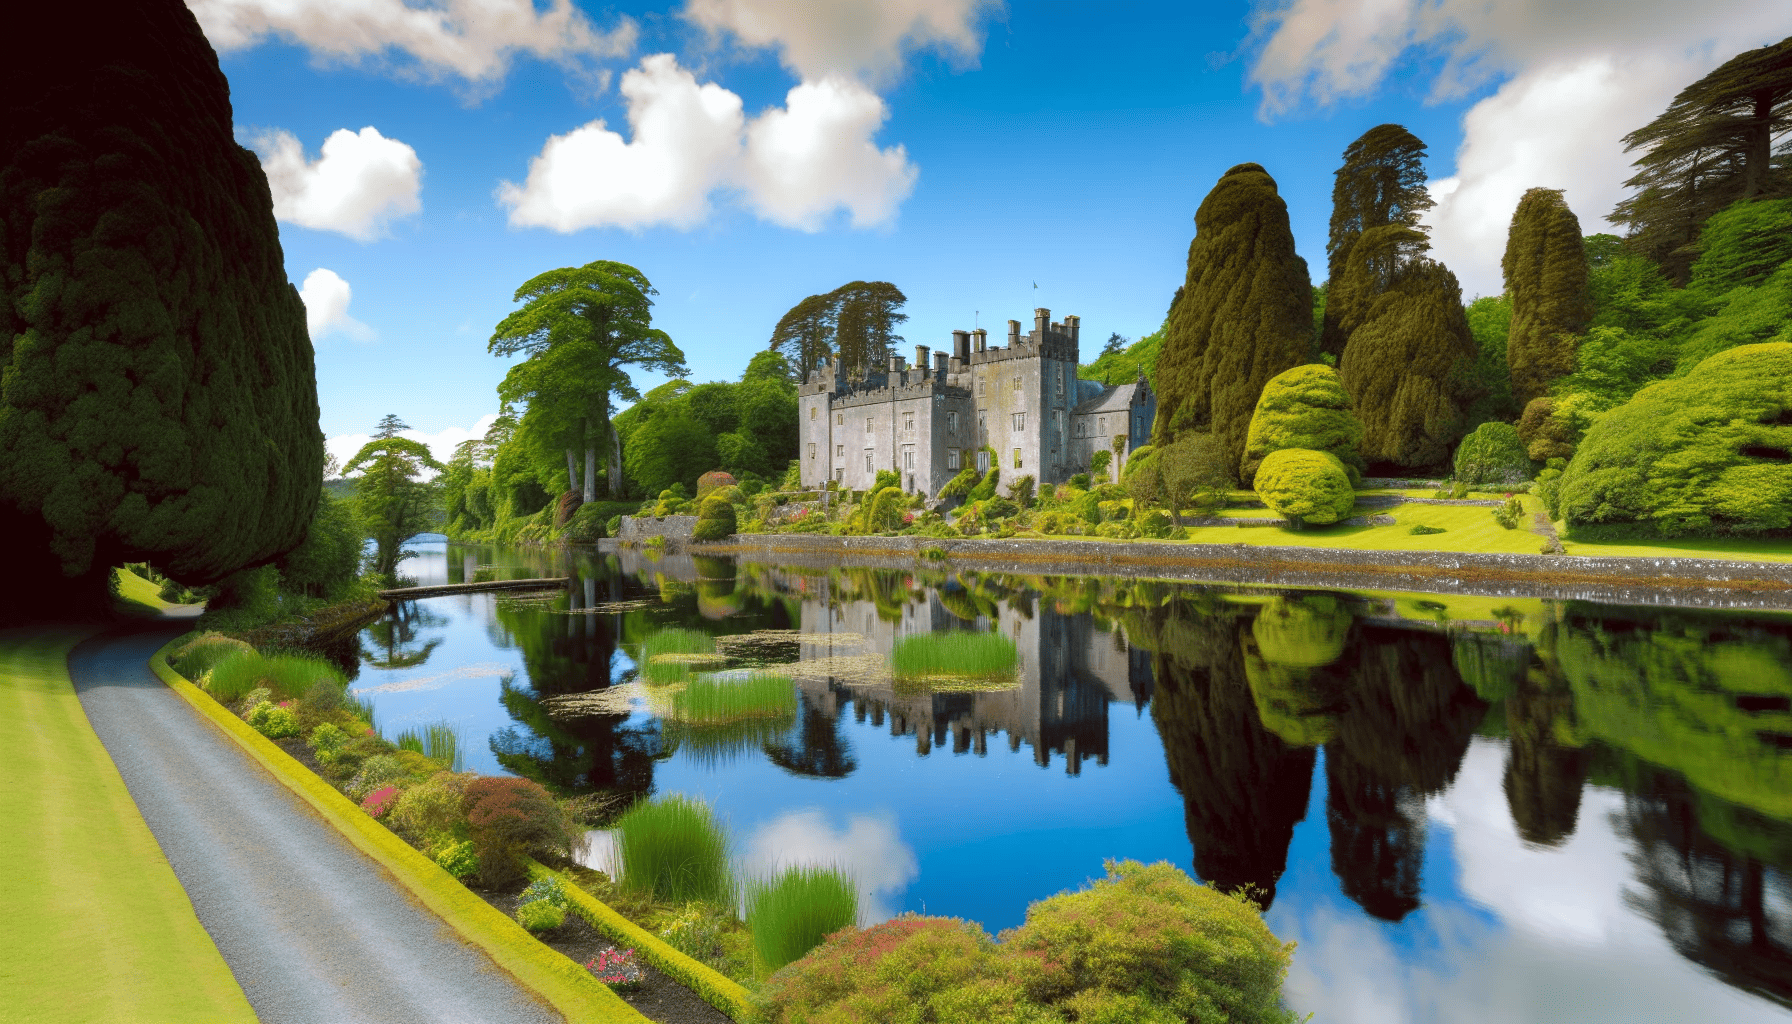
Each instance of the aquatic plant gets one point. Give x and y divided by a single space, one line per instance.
714 699
792 913
438 741
954 654
675 849
671 655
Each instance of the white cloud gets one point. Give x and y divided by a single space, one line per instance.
326 296
793 165
1578 77
474 40
862 39
441 444
870 848
359 181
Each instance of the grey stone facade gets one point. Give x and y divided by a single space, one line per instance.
1022 400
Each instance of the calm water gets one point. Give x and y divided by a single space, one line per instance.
1460 808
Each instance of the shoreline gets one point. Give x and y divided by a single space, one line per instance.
1681 582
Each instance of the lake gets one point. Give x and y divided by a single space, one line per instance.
1461 808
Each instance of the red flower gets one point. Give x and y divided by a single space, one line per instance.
378 802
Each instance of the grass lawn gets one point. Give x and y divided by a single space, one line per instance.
96 926
1736 548
1466 528
139 597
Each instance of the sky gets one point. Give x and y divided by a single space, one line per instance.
428 157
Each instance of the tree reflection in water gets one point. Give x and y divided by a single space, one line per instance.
395 637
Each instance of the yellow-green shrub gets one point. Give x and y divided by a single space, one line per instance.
1306 486
540 916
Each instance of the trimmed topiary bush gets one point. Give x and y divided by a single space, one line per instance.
1306 486
540 916
1306 407
715 519
985 489
713 480
1710 452
884 512
1493 454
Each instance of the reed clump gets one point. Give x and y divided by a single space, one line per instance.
712 699
438 741
673 655
954 655
289 676
674 850
791 914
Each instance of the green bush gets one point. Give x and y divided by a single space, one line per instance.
1493 454
376 771
540 916
586 525
274 721
884 512
459 859
1080 481
1421 530
674 849
1305 486
327 738
613 526
793 913
960 485
986 489
715 519
1021 491
1098 465
435 807
1155 524
509 818
1510 513
1708 452
550 890
1306 407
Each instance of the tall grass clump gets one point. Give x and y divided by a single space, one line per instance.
437 741
674 850
710 699
290 676
671 655
201 654
791 914
954 654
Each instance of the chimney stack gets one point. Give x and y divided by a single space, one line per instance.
921 359
979 340
939 363
1074 324
1042 321
1013 333
896 364
961 346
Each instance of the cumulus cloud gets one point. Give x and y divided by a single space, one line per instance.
359 182
1575 78
326 296
862 39
793 165
441 444
870 847
473 40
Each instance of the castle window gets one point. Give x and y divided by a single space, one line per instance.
952 423
1020 421
867 460
908 421
867 424
951 458
839 419
1060 381
908 458
1017 382
839 475
1101 425
839 451
1017 458
982 387
813 409
811 451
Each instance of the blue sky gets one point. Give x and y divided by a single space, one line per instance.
963 150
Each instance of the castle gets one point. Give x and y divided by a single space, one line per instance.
1023 402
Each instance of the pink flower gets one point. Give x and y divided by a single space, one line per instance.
378 802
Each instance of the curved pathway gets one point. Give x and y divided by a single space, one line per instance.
314 931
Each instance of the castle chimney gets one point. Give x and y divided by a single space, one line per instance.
896 364
1042 321
1013 333
961 346
921 359
939 363
980 341
1074 323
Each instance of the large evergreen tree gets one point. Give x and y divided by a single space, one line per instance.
856 322
1244 314
158 397
1547 279
1714 144
1381 183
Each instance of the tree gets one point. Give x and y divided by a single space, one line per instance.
1306 407
580 327
670 447
393 499
1381 184
1490 321
865 328
158 397
1409 366
805 334
1115 344
1707 452
1244 315
1546 275
1712 146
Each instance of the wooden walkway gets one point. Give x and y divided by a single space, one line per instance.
407 593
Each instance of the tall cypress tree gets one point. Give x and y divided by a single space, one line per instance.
1409 366
1547 279
1245 313
1381 184
158 397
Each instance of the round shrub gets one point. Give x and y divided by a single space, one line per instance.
1306 407
715 519
434 807
550 890
378 770
1148 943
714 480
1302 632
1306 486
273 721
540 916
327 738
459 859
1709 452
1493 454
378 802
508 818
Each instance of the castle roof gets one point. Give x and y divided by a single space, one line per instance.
1116 399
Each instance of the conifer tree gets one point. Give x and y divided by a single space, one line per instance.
158 397
1244 313
1712 146
1547 278
1381 183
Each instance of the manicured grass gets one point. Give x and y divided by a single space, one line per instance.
672 655
953 654
1467 528
675 849
289 676
139 597
1728 548
791 914
96 927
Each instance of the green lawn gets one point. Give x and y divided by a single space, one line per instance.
1736 548
139 597
1467 528
96 927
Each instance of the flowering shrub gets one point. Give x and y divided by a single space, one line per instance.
255 698
434 808
540 916
459 859
378 802
908 519
378 770
695 932
617 969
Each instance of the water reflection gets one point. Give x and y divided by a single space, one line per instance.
1509 788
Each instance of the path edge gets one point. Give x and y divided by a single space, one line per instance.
546 972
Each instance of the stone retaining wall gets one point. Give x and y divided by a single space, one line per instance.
635 529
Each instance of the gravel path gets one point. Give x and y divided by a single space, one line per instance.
314 930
